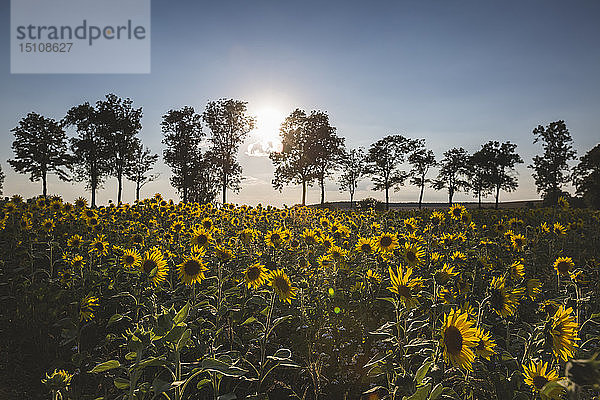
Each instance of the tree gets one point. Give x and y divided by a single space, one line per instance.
502 166
229 123
295 163
328 147
479 172
1 181
182 130
551 170
586 177
40 148
421 160
89 147
205 184
353 170
120 124
138 170
384 158
454 169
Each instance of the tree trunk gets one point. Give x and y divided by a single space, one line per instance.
224 188
137 191
421 195
94 184
120 191
44 189
450 195
303 192
351 199
322 184
497 195
479 197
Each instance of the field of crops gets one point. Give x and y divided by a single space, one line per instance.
160 300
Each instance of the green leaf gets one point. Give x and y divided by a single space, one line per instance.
421 394
213 365
249 321
105 366
422 372
183 340
114 318
228 396
121 383
203 382
436 392
182 314
151 362
281 355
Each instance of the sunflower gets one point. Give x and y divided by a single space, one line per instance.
192 269
131 258
247 236
459 336
155 266
281 284
373 276
503 301
485 345
80 202
413 254
386 242
561 333
99 246
48 225
77 262
325 261
537 375
207 223
559 229
57 380
337 253
275 238
563 265
223 253
75 241
518 242
256 275
443 275
309 236
327 241
456 211
405 287
458 257
517 270
87 307
364 245
200 237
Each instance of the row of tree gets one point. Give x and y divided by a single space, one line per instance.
106 144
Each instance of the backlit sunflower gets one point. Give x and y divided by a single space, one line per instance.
503 301
413 254
256 275
559 229
99 246
337 253
327 241
200 237
48 225
275 238
518 241
282 286
386 242
517 270
77 262
192 269
325 261
131 258
459 336
485 345
443 275
561 333
405 287
537 375
563 265
75 241
309 236
456 211
155 266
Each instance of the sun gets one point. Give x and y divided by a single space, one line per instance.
265 136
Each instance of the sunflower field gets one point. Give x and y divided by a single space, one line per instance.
159 300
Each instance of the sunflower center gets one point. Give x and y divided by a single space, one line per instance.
129 259
99 246
497 299
148 266
202 239
282 285
385 241
563 267
404 291
192 267
539 381
253 273
411 256
453 339
365 248
275 237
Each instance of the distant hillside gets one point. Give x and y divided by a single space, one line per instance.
415 205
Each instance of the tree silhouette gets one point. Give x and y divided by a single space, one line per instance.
40 148
503 160
383 161
454 169
120 124
586 177
205 185
479 173
1 181
328 147
229 123
138 170
551 169
89 147
421 160
182 131
295 163
353 170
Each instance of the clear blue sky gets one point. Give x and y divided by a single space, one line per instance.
457 73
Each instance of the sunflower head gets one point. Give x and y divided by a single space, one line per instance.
131 258
192 269
282 286
155 266
458 338
255 275
537 375
386 242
